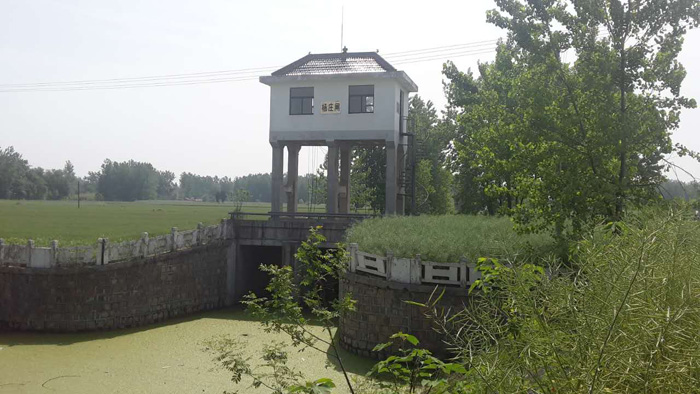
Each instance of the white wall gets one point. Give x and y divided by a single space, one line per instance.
380 125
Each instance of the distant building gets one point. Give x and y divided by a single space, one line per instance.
338 100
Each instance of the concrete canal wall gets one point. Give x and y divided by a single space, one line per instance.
110 286
117 295
382 285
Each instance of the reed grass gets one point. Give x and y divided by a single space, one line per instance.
447 238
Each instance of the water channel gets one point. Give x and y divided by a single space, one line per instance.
162 358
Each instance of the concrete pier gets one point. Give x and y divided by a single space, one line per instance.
292 177
332 199
344 190
277 176
391 174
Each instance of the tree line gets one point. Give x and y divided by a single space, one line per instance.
20 181
133 180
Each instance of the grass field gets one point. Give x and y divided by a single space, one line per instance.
44 221
447 238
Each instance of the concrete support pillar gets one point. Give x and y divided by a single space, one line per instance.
332 201
391 173
292 176
277 176
289 249
344 197
400 172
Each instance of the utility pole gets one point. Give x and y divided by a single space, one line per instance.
78 193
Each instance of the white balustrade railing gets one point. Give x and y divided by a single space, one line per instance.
412 270
369 263
104 252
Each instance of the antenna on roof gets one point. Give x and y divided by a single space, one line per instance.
342 19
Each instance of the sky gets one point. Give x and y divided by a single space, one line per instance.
216 128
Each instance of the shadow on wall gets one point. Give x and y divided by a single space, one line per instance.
249 277
352 362
14 338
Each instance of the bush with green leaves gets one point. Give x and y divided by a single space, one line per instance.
295 301
272 373
415 370
623 318
447 238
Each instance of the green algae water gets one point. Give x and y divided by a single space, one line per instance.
163 358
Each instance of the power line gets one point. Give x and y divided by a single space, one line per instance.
148 78
443 54
437 49
442 57
239 75
249 74
132 85
253 71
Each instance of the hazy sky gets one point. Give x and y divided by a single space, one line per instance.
220 128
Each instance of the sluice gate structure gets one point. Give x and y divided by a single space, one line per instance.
275 241
120 285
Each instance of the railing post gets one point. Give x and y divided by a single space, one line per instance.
144 244
102 254
54 253
2 250
463 272
389 263
416 270
99 252
173 237
200 229
30 248
105 251
352 248
400 270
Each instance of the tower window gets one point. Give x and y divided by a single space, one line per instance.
301 101
361 99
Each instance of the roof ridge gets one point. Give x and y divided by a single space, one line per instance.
344 53
306 66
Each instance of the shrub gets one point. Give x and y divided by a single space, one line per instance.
447 238
291 296
624 319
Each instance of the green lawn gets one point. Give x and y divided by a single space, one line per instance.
44 221
447 238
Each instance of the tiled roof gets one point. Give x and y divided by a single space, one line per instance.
336 63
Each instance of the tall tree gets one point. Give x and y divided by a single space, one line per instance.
127 181
485 151
675 189
367 177
434 193
587 137
20 181
12 174
58 184
207 188
166 185
257 184
36 187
